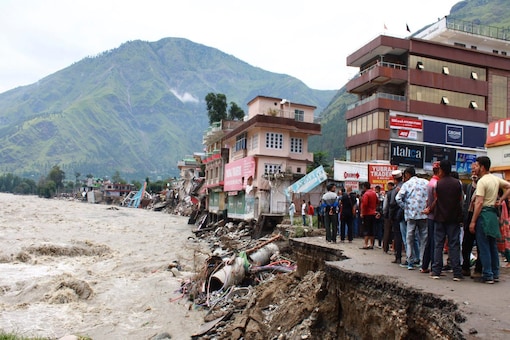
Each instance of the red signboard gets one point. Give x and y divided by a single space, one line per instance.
406 123
380 174
498 133
238 172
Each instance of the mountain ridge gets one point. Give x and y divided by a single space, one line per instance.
120 110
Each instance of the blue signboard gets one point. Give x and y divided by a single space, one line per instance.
464 161
454 134
307 183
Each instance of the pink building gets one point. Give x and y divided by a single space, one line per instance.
266 153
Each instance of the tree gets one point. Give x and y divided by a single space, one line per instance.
116 178
320 158
216 107
57 176
235 112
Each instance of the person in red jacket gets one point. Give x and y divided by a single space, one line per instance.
367 213
311 212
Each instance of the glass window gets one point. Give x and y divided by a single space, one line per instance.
272 168
296 145
240 142
299 115
274 140
499 97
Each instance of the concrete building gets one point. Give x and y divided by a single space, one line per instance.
255 160
429 96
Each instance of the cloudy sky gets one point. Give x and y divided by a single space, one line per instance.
309 40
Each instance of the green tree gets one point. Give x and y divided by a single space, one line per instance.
137 184
216 107
57 176
46 188
235 112
116 178
320 158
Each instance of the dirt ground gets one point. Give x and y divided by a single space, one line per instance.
70 267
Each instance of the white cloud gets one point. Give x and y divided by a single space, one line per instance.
309 40
186 97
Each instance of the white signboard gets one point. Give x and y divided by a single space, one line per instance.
350 171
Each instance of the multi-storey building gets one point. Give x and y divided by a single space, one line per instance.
429 96
262 156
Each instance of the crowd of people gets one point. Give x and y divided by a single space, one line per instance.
424 219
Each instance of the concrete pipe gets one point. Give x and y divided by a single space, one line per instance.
263 255
230 274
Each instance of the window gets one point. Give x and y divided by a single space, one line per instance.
299 115
296 145
272 168
240 142
254 141
274 140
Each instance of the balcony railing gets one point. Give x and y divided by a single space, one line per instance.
477 29
377 96
283 114
382 64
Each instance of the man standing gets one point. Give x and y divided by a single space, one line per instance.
468 240
348 202
330 208
367 214
447 208
412 197
303 212
393 212
386 214
310 214
485 223
292 211
379 219
428 255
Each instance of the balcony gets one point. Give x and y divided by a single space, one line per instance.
377 75
378 100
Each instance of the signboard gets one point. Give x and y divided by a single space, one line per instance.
463 162
238 172
350 171
308 182
407 154
438 153
380 174
499 155
406 123
499 132
454 134
354 185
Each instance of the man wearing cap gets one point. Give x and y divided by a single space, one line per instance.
393 215
412 197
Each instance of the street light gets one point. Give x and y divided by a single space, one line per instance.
283 102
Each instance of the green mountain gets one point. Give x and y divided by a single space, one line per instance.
484 12
136 109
